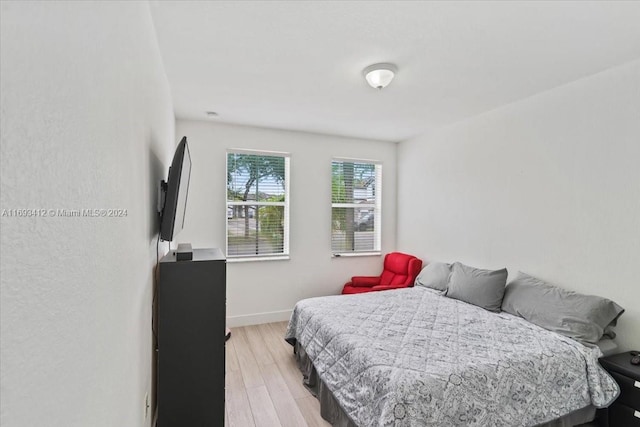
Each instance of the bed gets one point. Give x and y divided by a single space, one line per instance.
412 357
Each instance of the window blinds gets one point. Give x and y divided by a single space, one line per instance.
355 206
257 204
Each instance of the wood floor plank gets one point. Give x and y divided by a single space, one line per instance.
310 408
278 331
246 359
282 326
231 359
283 401
258 345
264 413
237 402
293 378
273 342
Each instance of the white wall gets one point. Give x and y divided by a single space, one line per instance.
264 291
87 122
549 185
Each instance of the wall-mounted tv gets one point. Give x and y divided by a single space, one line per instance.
175 192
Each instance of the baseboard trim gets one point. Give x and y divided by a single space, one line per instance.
258 318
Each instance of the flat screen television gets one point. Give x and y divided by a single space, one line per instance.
175 192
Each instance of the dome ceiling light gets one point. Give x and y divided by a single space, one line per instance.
380 75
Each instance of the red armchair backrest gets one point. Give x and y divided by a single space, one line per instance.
400 269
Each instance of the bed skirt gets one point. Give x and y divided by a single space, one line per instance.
331 410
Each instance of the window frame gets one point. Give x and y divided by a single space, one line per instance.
376 205
286 204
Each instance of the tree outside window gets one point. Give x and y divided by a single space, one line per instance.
355 206
257 204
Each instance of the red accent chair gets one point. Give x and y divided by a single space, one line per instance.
400 271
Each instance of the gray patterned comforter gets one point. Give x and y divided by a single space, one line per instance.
410 357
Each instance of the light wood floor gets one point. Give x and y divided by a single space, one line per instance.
263 383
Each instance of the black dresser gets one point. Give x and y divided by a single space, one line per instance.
625 411
191 328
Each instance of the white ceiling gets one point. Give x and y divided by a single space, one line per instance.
298 65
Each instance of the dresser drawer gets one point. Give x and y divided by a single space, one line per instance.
623 416
629 390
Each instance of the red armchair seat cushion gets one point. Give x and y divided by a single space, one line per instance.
350 289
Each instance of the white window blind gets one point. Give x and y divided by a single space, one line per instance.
356 201
257 204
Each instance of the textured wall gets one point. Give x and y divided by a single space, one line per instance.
87 122
549 185
261 291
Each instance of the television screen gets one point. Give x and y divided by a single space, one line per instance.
177 189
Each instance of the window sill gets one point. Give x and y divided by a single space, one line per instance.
256 258
355 254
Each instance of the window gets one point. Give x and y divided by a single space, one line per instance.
355 206
257 204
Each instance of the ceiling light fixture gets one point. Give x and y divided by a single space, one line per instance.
212 114
380 75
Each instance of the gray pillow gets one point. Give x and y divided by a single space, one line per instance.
484 288
609 332
584 318
435 276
